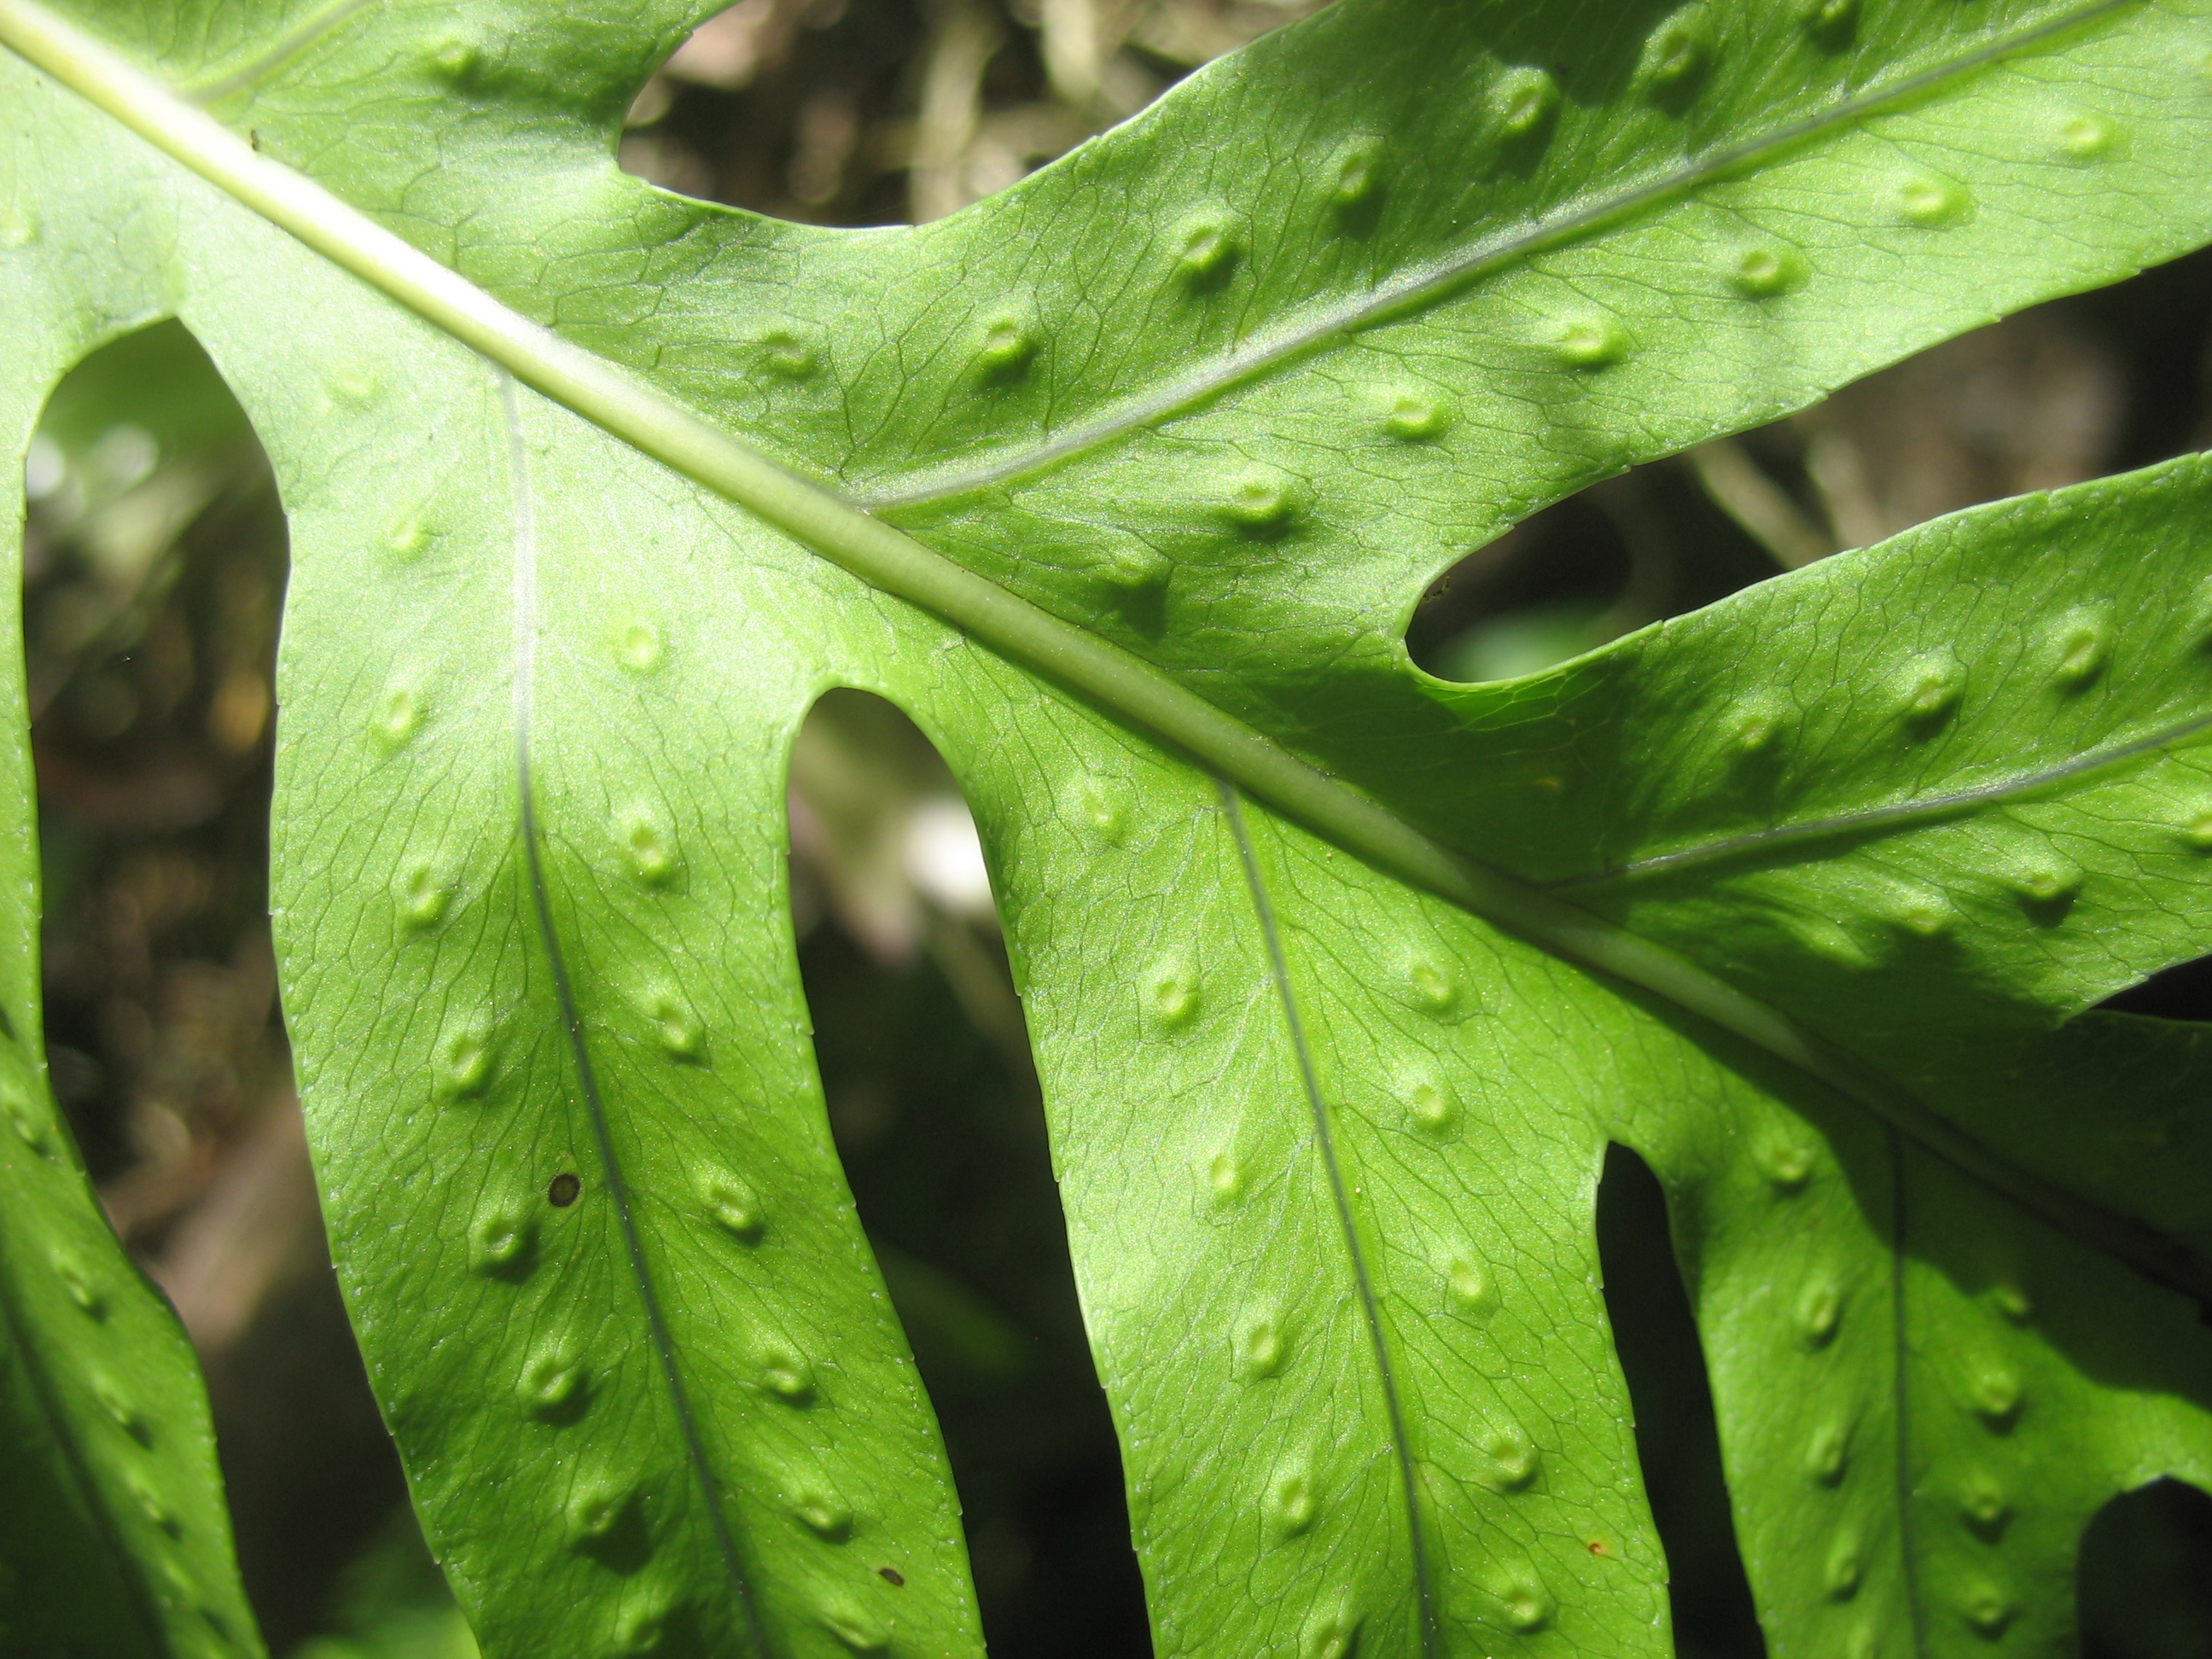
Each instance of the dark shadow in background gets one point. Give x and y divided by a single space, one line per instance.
1677 1441
2183 992
310 1473
149 661
945 1152
2146 1584
1654 543
942 1131
2146 1559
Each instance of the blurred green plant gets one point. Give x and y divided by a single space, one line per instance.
392 1603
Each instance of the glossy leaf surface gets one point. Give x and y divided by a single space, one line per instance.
1329 1097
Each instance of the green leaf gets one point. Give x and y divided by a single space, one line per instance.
114 1537
1342 978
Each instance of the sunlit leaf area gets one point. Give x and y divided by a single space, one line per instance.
155 571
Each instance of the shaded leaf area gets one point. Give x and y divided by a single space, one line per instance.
1291 1058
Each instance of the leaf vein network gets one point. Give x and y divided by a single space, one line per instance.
1418 285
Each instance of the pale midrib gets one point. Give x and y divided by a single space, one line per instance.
572 1023
1924 809
1370 1309
651 422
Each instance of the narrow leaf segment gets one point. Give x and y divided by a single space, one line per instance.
572 1021
1370 1312
1424 285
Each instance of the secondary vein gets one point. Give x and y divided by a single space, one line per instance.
572 1024
1417 286
1370 1309
282 52
1923 809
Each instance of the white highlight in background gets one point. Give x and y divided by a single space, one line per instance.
944 856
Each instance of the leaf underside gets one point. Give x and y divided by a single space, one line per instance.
1225 389
114 1536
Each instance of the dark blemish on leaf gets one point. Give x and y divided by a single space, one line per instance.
892 1576
562 1193
254 137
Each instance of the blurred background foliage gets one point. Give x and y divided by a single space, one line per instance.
155 566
